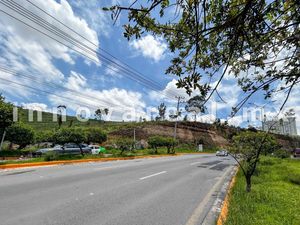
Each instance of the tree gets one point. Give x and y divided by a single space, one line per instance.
95 135
161 111
157 141
124 144
60 110
99 112
6 113
70 135
196 105
210 38
20 134
247 147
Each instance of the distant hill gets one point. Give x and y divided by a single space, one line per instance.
188 132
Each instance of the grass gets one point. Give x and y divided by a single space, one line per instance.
275 195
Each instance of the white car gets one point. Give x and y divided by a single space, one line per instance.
95 149
222 153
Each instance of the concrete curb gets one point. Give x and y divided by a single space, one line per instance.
224 210
66 162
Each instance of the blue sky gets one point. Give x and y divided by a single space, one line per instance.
47 65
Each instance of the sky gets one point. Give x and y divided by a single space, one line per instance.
40 70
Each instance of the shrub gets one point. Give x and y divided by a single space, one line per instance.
281 153
20 134
10 153
51 156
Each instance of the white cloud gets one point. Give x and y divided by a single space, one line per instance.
150 47
28 51
117 100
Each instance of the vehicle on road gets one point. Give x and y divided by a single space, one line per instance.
222 153
69 148
297 152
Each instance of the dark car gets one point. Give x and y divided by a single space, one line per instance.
69 148
297 152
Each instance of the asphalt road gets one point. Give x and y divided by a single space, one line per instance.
161 191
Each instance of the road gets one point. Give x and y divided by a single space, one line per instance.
159 191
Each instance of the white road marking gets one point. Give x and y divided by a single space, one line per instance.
194 163
152 175
91 193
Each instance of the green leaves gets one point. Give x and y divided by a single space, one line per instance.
6 113
241 34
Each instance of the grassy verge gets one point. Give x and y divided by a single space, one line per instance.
275 195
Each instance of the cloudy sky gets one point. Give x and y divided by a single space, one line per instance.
40 69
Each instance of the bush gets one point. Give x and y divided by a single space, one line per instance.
95 135
20 134
281 153
51 156
10 153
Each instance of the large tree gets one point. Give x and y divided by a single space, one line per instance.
6 113
256 40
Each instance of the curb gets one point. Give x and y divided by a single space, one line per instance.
224 210
67 162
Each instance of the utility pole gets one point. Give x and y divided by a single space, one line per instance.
134 139
177 115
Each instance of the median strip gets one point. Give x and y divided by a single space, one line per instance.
152 175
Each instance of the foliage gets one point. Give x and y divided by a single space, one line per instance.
99 112
161 111
273 200
95 135
20 134
70 135
248 146
6 113
281 153
51 156
196 105
157 141
44 136
209 39
124 144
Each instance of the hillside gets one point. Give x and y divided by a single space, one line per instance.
192 133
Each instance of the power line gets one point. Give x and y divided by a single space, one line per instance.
79 94
66 37
37 90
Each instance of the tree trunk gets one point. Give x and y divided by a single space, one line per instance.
248 183
81 151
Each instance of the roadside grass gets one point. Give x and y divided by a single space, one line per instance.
275 195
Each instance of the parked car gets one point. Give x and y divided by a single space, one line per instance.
69 148
222 153
96 149
297 152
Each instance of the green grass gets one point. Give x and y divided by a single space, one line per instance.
275 195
